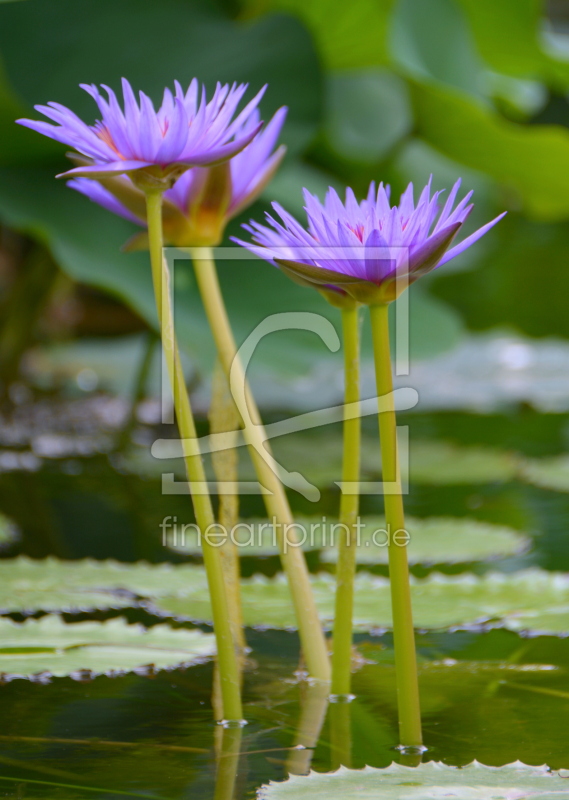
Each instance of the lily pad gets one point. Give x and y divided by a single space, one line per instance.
548 473
27 585
435 540
49 645
429 781
533 600
444 463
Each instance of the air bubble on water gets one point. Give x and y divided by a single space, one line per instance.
411 749
232 723
342 698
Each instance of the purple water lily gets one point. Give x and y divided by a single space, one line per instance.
360 250
186 131
198 206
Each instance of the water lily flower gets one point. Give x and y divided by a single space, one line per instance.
199 205
186 131
365 252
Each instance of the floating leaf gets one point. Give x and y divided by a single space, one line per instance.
430 781
443 463
434 540
49 645
437 540
533 599
548 473
52 585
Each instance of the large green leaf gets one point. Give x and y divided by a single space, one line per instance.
432 39
509 37
534 600
347 35
367 113
530 160
49 646
429 781
435 540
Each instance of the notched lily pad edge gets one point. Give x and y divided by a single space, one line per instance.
428 770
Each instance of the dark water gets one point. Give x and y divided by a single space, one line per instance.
487 694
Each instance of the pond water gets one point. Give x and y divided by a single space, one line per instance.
487 693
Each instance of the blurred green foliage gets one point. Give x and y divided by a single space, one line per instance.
376 89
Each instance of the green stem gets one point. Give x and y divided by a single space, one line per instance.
349 507
226 655
223 418
292 558
403 634
228 764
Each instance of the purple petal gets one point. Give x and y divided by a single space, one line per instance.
104 170
465 244
424 258
219 154
98 194
176 136
377 267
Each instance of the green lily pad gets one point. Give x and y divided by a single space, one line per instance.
533 600
443 463
435 540
548 473
49 645
52 585
430 781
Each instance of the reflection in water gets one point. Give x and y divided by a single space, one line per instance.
340 716
313 704
228 759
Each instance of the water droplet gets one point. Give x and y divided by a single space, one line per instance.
342 698
232 723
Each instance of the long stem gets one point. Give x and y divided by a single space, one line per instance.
403 633
226 655
349 507
223 418
292 558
